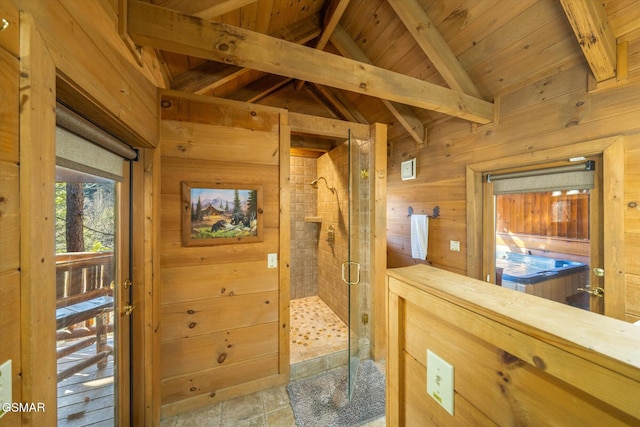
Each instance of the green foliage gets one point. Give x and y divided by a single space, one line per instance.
99 216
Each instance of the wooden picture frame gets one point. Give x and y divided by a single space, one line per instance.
221 213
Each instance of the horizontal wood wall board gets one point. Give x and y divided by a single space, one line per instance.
9 216
217 349
632 190
632 286
193 318
542 243
202 171
180 106
209 381
10 107
511 328
172 206
116 86
218 143
632 261
408 190
205 281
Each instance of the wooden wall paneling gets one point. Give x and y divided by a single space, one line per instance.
203 284
37 254
105 87
223 348
236 143
9 160
9 108
632 290
189 319
219 143
172 255
177 391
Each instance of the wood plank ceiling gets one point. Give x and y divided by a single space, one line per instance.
408 63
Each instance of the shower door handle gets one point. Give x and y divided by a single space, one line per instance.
348 264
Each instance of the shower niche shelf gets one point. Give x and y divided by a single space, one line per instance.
316 219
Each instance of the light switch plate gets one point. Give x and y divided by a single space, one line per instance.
454 245
272 260
440 381
5 385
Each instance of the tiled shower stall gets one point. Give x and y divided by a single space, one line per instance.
316 266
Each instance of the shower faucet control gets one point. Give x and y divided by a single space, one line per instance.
331 236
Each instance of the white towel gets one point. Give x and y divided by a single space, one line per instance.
419 236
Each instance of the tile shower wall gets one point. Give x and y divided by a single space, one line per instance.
333 208
304 235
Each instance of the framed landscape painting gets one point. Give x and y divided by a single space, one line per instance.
217 214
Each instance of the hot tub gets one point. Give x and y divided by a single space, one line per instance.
554 279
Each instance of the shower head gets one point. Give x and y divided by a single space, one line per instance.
314 184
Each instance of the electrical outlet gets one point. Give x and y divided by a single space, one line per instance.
454 245
440 381
5 385
272 260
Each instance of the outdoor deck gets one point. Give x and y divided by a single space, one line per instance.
84 317
87 397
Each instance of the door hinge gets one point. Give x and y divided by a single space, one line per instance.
128 309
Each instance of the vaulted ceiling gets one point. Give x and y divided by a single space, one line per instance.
407 63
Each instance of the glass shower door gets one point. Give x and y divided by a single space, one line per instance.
351 268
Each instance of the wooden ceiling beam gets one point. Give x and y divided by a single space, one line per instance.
328 128
595 35
412 14
206 9
336 101
173 31
409 121
211 75
260 89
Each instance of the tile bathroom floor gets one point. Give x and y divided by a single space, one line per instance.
315 332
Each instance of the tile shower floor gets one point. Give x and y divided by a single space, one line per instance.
315 330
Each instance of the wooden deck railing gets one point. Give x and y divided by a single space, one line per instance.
84 295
